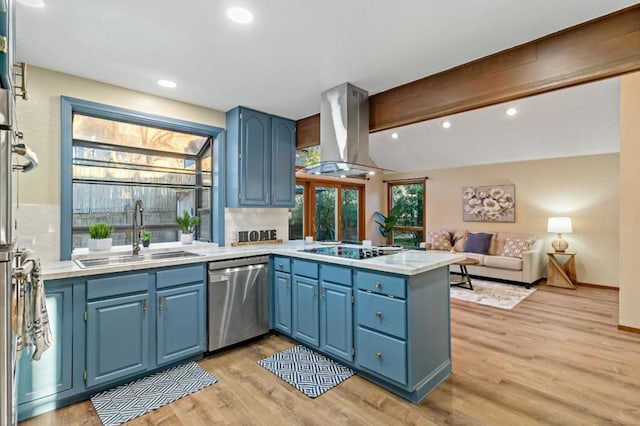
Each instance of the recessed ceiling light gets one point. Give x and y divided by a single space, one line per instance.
32 3
394 135
316 173
371 172
240 15
446 124
167 83
511 112
343 176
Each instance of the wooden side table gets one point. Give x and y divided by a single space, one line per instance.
465 279
562 274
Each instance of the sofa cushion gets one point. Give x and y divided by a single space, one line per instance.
503 262
439 241
478 243
458 238
514 247
501 239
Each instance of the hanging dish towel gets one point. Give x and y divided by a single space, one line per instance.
33 320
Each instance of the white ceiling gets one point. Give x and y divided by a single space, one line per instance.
292 51
581 120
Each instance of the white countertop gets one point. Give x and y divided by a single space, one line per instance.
409 262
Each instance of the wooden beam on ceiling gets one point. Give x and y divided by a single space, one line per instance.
598 49
604 47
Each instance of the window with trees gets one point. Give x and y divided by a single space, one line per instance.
327 210
408 197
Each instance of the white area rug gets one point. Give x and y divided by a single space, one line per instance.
491 293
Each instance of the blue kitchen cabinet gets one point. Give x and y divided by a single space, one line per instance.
282 302
117 338
51 374
336 311
305 310
260 162
283 162
180 320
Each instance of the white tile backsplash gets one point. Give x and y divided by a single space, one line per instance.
39 229
249 219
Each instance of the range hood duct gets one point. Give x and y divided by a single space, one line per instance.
344 134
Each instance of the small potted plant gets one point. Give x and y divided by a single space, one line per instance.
100 237
187 225
146 238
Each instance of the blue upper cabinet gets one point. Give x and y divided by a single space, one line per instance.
7 42
260 159
283 161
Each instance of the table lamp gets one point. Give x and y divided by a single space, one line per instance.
559 225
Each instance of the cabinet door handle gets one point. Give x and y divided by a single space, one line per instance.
314 292
378 314
266 197
321 293
160 303
378 284
144 305
379 355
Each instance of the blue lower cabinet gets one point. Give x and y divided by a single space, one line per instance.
306 321
51 374
383 355
336 321
180 320
282 302
117 338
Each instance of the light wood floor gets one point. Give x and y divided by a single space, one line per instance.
557 358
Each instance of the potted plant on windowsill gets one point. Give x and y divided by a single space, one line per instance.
100 237
187 225
146 238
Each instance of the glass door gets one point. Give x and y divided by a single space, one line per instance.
350 214
326 217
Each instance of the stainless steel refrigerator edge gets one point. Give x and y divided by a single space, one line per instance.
7 341
238 300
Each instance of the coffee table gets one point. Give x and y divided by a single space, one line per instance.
465 280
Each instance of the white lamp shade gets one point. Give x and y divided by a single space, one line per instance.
559 225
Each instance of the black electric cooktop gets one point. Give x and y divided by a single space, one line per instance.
349 251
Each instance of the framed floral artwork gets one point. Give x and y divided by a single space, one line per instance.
495 203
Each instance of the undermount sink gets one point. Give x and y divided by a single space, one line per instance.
129 258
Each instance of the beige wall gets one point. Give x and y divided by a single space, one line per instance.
629 200
39 119
584 188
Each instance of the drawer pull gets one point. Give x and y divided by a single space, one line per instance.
379 355
377 284
280 265
378 314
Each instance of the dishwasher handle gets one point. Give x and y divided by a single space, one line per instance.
218 278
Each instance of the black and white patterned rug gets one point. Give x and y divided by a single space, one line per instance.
139 397
308 371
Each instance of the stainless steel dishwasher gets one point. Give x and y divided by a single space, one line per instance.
238 300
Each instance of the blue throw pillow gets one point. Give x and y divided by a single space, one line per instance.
478 243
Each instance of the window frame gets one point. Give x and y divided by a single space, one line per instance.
70 106
309 220
423 182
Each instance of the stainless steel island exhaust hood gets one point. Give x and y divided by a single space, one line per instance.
344 134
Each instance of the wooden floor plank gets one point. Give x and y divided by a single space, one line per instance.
557 358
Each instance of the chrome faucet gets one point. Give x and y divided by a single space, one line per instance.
137 230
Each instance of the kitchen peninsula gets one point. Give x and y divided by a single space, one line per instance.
386 317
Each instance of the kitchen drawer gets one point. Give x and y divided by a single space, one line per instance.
282 264
335 274
177 276
117 286
382 313
305 268
380 283
383 355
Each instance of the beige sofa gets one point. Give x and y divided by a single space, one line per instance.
527 270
